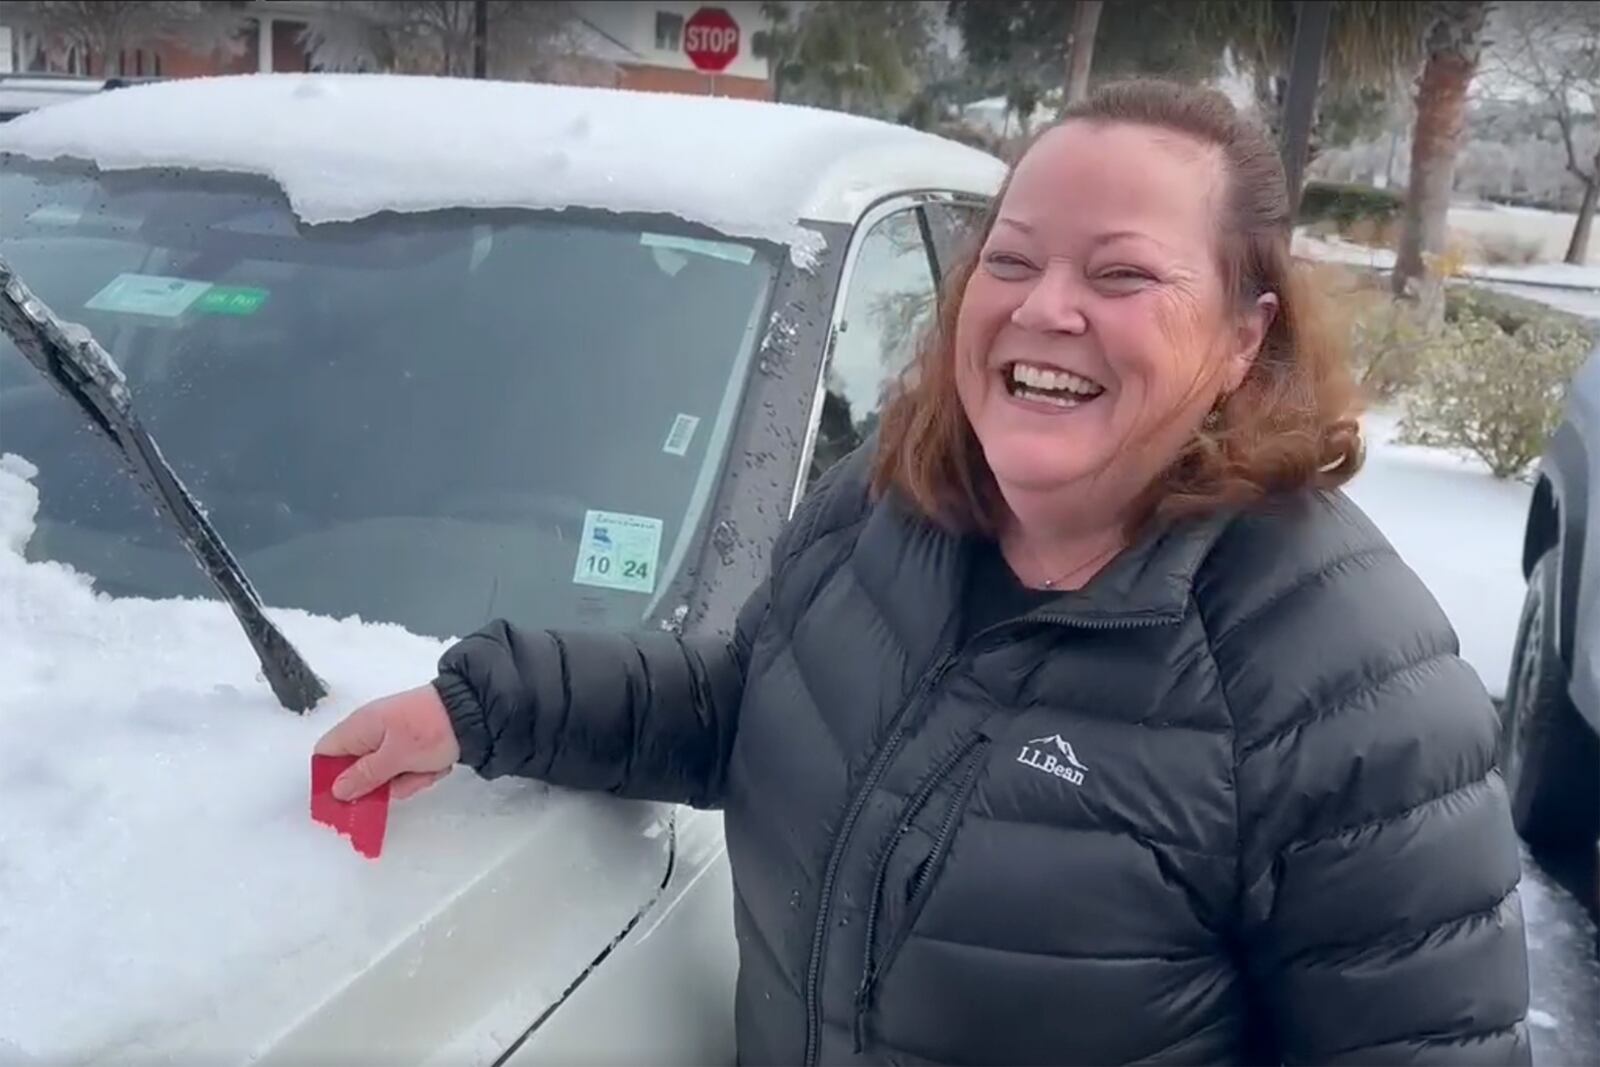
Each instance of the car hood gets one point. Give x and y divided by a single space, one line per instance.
168 896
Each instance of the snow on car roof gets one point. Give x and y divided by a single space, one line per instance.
345 147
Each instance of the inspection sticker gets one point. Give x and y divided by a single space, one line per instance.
618 551
148 294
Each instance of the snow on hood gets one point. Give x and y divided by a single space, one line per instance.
345 147
157 858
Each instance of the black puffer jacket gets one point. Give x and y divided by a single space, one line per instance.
1231 803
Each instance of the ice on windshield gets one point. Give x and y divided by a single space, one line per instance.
413 419
156 856
349 147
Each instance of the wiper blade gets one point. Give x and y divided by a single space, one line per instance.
72 360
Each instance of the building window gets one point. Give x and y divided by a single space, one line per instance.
669 31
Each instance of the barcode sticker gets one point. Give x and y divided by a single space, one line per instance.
681 434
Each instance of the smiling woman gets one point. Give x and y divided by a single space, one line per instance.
1212 374
1081 718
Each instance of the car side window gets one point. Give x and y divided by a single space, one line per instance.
888 301
953 226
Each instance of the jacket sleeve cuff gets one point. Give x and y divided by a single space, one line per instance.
467 718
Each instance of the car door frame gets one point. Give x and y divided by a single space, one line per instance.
774 438
942 254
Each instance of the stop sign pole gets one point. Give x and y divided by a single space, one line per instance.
711 40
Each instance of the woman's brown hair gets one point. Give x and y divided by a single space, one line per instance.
1290 425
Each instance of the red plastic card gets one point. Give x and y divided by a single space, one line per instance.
363 821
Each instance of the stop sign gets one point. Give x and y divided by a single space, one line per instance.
711 39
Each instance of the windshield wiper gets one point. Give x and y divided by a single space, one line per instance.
72 360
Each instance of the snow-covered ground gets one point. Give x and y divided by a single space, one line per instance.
1551 230
1339 250
1460 529
1561 285
1564 972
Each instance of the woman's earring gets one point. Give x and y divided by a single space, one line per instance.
1213 419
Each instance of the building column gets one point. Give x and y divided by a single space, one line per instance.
264 44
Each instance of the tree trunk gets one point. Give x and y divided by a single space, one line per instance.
1578 247
1080 48
1454 44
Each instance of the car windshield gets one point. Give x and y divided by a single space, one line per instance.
428 420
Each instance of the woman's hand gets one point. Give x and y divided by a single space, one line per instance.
405 739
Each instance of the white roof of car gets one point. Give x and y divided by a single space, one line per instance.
21 93
348 146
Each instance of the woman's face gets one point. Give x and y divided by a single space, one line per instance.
1095 334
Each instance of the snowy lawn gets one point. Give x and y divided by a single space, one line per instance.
1460 529
1575 290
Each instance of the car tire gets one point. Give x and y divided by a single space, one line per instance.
1548 755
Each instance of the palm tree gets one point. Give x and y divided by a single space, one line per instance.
1080 47
856 56
1368 42
778 44
1454 45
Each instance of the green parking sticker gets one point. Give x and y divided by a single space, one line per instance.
162 297
230 300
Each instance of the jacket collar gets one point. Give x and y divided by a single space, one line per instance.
917 574
1152 579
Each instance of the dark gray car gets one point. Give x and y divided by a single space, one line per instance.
1550 752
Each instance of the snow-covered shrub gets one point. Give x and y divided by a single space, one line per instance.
1385 336
1498 249
1492 391
1387 341
1347 202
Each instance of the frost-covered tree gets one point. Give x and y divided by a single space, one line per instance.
437 36
1552 52
104 32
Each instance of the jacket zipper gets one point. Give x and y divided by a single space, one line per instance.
880 763
1127 622
841 841
970 752
946 830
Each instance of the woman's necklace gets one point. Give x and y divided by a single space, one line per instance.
1096 561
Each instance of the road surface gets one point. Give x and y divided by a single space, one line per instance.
1564 973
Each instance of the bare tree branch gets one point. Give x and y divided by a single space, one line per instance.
1549 51
436 36
106 30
